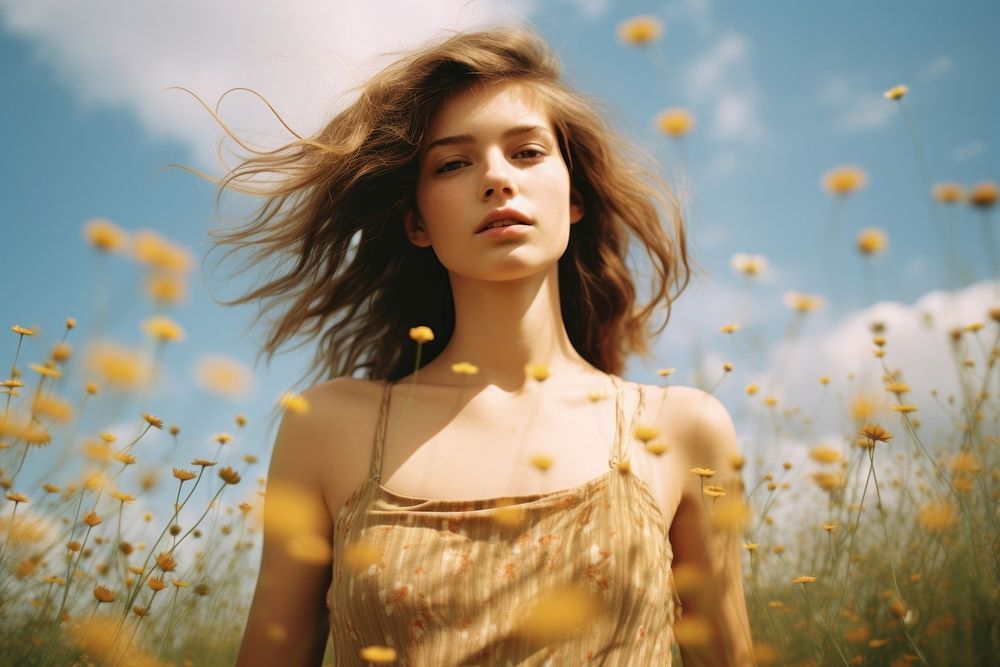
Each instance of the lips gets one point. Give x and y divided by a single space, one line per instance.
507 214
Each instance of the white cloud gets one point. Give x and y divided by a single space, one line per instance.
855 108
721 78
941 65
969 150
302 56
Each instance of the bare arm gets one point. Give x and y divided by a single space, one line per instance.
288 621
707 536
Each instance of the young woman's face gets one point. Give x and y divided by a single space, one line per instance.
492 153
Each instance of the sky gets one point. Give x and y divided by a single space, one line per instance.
781 92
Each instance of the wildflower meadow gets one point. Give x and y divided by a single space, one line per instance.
868 504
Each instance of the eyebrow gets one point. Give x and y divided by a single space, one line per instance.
469 139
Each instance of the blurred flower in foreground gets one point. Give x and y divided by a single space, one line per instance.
105 235
844 180
151 249
163 329
222 375
948 193
896 92
640 30
117 365
749 265
803 303
294 403
983 195
560 614
872 241
675 122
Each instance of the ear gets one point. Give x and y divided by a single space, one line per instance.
575 206
415 229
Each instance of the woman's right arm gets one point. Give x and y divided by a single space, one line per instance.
288 622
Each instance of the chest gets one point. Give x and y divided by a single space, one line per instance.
474 447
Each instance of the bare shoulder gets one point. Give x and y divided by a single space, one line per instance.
698 425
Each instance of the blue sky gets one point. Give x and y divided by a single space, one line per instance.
782 91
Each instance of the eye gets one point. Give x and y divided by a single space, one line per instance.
534 153
451 165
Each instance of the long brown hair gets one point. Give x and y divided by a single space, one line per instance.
333 206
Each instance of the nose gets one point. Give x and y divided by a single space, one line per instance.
497 179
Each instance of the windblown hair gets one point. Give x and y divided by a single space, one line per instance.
334 204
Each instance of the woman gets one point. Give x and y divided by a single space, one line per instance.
450 507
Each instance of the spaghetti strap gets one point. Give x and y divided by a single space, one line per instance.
619 447
375 470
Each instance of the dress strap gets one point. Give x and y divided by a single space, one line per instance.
619 448
375 470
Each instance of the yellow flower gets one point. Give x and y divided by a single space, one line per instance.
249 458
359 555
896 92
163 329
714 491
559 614
204 463
153 250
184 475
229 475
904 408
156 584
729 328
640 30
737 461
825 454
727 367
665 372
829 527
153 420
828 481
693 631
51 488
24 331
45 370
294 403
245 507
17 497
119 366
751 546
656 448
542 461
675 122
222 438
872 241
104 594
222 375
91 519
824 380
421 334
751 389
624 466
125 458
875 433
165 561
166 287
844 180
983 195
703 472
804 579
803 303
539 372
948 193
936 517
645 433
124 497
749 265
464 368
965 462
897 388
378 654
104 235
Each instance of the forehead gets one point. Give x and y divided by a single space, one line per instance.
490 107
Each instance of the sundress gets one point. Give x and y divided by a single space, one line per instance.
452 582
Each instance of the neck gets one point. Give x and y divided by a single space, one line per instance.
501 326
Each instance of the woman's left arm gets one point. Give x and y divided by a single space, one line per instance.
707 533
